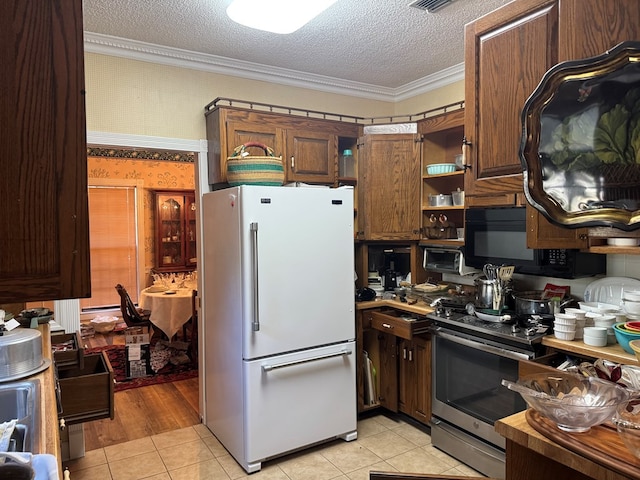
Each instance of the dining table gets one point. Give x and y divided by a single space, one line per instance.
170 309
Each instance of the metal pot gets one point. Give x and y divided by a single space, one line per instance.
484 292
529 303
440 200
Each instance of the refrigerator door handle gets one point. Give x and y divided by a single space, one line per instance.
255 324
268 368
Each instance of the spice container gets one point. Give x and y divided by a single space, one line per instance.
347 167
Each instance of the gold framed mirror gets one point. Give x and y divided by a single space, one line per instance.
580 147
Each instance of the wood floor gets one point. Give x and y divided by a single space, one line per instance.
144 411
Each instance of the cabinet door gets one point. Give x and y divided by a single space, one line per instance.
175 231
241 132
406 377
190 231
593 26
390 187
388 371
422 369
311 156
44 246
506 54
414 378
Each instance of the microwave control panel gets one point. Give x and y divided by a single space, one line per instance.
556 257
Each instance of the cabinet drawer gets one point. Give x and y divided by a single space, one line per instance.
67 350
547 363
400 324
87 393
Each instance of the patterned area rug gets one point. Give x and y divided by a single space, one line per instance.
124 375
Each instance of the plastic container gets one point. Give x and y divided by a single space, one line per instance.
347 167
458 197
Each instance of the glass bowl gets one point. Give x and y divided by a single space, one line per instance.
575 403
627 422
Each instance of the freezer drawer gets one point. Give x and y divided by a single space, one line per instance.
305 397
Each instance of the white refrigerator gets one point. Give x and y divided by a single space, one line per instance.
279 341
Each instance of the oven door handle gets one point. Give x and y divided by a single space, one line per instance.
483 346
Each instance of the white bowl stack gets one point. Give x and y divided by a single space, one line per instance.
596 336
565 326
581 320
631 304
607 321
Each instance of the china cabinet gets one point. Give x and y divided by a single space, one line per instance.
308 146
442 140
44 252
175 231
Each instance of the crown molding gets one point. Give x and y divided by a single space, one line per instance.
109 139
147 52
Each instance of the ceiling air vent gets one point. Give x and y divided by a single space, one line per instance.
429 5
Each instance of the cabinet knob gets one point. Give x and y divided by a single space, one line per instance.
293 162
63 424
386 325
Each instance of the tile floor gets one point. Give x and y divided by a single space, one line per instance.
387 443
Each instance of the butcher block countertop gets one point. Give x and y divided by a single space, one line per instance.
614 353
531 455
420 307
49 441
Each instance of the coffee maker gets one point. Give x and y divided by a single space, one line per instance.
390 278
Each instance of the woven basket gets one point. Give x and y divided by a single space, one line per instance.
245 169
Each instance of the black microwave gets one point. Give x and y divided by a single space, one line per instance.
498 235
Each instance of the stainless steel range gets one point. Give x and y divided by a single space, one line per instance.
470 359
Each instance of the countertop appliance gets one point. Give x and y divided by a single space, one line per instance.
498 235
471 357
445 259
279 341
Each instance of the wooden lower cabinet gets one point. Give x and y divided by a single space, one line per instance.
414 378
400 351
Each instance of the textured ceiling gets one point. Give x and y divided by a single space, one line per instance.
377 42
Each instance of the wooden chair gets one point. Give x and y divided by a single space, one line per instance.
192 323
131 315
374 475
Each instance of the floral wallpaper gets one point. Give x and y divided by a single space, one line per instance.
158 171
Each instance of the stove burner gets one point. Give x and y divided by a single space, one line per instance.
522 330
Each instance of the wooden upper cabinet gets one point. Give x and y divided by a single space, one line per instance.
312 156
308 146
506 54
240 133
591 27
44 245
389 186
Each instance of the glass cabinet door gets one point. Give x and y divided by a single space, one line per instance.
170 230
190 240
175 231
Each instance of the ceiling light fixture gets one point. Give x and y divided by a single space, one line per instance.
277 16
